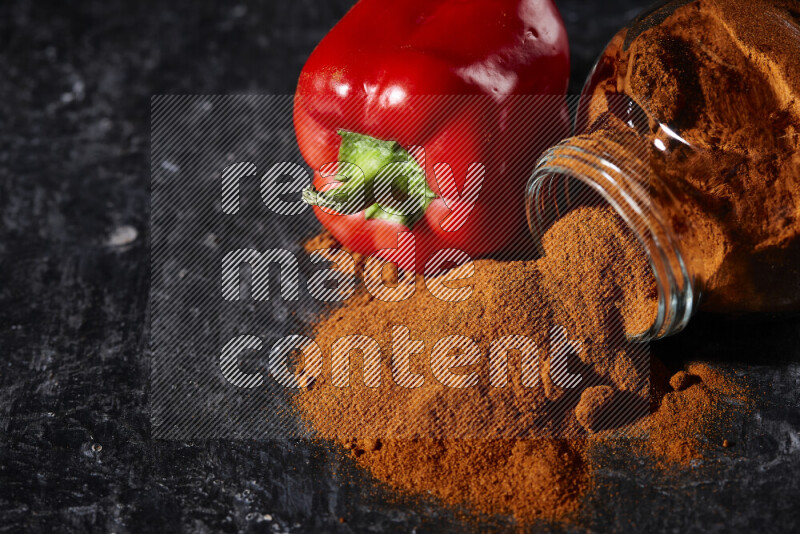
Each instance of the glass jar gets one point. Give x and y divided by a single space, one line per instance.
689 127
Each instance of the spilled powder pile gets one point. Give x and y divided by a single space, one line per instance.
595 282
601 267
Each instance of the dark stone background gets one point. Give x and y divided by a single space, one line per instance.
75 84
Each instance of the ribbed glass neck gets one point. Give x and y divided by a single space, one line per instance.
615 169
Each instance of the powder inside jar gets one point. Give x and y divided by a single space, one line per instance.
719 83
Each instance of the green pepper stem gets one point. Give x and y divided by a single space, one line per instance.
369 169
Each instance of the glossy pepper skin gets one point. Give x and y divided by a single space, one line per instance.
374 77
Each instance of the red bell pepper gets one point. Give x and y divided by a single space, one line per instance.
452 77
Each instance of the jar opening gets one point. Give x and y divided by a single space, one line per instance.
569 177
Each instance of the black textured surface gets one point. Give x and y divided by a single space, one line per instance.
76 80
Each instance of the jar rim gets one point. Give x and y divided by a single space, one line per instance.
619 185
